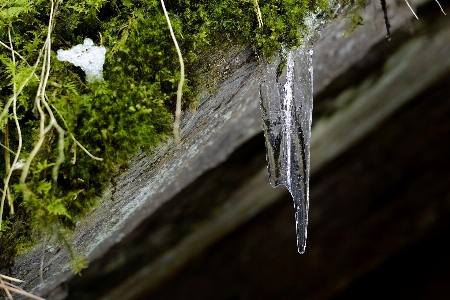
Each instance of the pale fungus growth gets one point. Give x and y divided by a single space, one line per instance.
88 57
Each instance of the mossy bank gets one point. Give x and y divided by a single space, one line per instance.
63 138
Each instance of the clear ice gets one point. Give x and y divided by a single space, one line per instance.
286 106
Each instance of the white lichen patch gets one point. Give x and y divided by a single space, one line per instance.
88 57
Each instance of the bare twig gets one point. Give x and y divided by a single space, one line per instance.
11 285
13 51
11 278
258 13
6 148
176 123
5 288
412 10
84 149
19 132
19 90
6 191
74 139
441 7
73 149
7 166
40 99
18 55
5 111
60 139
8 288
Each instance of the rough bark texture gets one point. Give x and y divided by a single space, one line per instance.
199 220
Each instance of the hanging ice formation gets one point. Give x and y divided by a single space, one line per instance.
286 106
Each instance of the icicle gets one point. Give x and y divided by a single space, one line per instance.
286 106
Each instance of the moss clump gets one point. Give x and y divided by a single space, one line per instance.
130 110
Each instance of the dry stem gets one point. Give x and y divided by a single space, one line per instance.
176 123
258 13
9 287
441 7
40 98
75 140
412 9
2 115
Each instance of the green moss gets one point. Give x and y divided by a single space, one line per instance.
130 110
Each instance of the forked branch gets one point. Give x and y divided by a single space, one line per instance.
8 287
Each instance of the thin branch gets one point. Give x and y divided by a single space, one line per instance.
40 98
84 149
61 132
18 55
9 170
21 292
6 289
258 13
6 148
441 7
11 285
412 10
43 131
74 139
73 149
176 123
19 132
11 278
7 155
13 51
5 111
10 101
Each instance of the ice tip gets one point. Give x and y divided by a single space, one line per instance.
301 248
